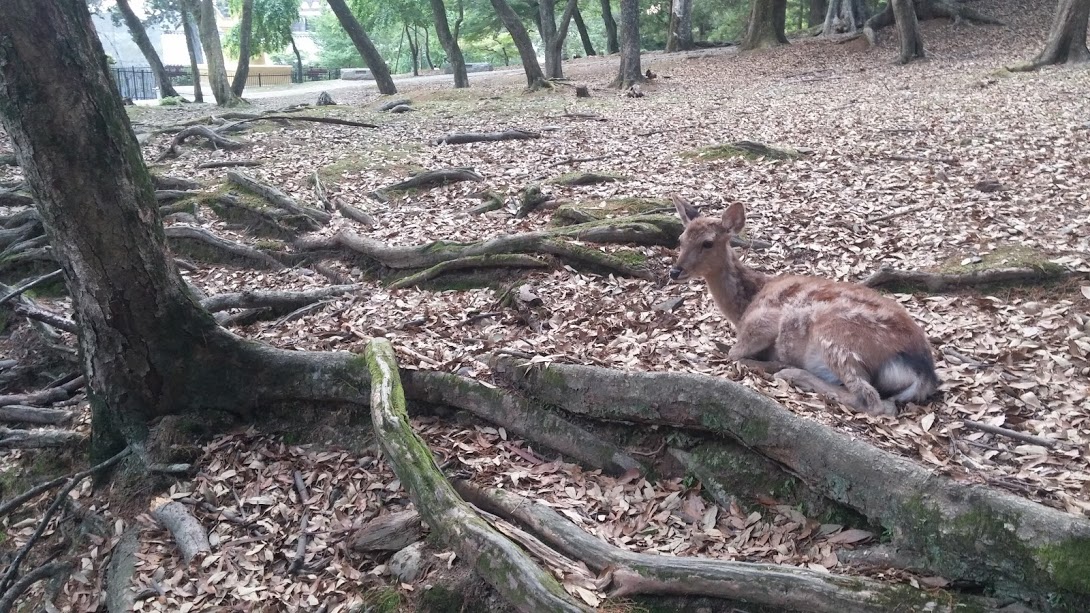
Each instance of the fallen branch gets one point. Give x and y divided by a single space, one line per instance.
16 413
217 140
273 298
390 532
39 438
10 505
1018 436
50 318
46 396
230 164
497 560
301 545
938 281
781 587
480 137
19 289
434 178
587 178
899 212
520 416
205 237
187 531
7 602
581 160
276 197
502 260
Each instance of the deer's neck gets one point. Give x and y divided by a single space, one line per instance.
734 287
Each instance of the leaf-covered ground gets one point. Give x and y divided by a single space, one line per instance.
1018 357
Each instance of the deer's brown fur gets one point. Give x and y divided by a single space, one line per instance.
841 339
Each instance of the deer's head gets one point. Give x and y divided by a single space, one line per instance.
705 243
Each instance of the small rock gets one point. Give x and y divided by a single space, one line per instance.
989 186
408 564
324 99
669 305
402 108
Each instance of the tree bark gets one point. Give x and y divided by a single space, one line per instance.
908 29
1067 37
192 45
213 53
449 40
817 12
843 17
767 20
414 56
630 73
245 36
613 45
365 47
513 23
140 37
554 35
680 36
298 57
584 35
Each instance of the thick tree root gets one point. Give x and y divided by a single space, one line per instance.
48 396
214 138
230 248
259 220
782 587
956 12
165 182
33 415
480 137
499 561
230 164
274 299
937 282
39 438
940 519
394 103
520 416
391 532
276 197
285 118
434 178
501 260
45 571
187 531
19 289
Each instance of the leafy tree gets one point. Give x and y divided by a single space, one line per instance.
213 51
140 37
511 20
244 30
363 44
449 39
271 29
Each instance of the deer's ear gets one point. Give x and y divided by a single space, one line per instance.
685 211
734 218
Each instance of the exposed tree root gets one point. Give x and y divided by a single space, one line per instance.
19 289
500 260
955 11
45 571
231 248
586 178
330 120
38 438
434 178
480 137
49 318
15 198
274 299
165 182
11 236
188 533
530 199
262 220
394 103
216 139
171 195
391 532
230 164
16 413
930 514
782 587
357 215
47 396
276 197
520 416
10 505
499 561
937 282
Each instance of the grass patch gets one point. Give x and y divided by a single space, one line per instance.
379 158
746 150
1004 256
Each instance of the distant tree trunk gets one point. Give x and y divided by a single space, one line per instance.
511 21
817 12
140 37
193 46
449 40
245 35
414 49
427 49
213 53
908 29
554 35
298 56
844 17
584 36
629 73
366 48
613 45
680 34
1067 38
767 21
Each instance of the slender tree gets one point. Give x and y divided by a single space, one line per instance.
449 40
140 37
584 35
767 20
363 44
844 16
613 44
554 34
629 73
245 36
1066 42
192 45
534 77
908 29
680 35
213 52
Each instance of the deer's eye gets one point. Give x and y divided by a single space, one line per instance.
707 244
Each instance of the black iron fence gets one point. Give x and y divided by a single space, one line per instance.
315 73
136 83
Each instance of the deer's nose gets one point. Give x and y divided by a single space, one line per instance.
675 272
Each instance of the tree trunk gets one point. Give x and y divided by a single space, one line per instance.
817 12
298 57
844 17
630 72
427 49
584 35
1067 38
767 20
612 43
414 57
554 35
213 53
366 48
450 41
511 21
140 37
193 46
680 36
908 29
245 35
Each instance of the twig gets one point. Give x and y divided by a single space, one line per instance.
1018 436
964 359
899 212
301 546
7 602
31 284
581 160
9 577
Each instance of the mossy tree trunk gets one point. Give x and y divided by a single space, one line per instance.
513 23
140 37
245 36
767 20
613 44
363 44
449 40
213 52
192 45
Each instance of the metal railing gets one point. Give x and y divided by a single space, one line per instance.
136 83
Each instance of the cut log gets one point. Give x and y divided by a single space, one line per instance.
39 438
276 197
231 248
434 178
937 282
497 560
770 585
480 137
390 532
1036 550
273 298
518 415
215 139
188 533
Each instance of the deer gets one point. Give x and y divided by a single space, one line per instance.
842 340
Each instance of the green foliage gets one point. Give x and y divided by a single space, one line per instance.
271 26
170 101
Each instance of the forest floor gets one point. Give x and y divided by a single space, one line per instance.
877 137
